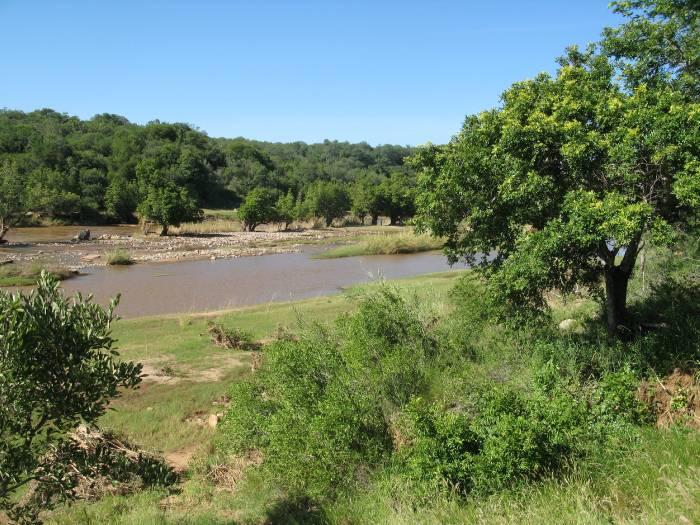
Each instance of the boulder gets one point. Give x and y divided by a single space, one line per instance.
568 325
83 235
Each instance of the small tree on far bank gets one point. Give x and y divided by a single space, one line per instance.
397 197
58 369
258 208
286 209
169 205
329 200
366 197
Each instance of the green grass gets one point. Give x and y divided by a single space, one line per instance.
658 481
119 258
386 244
202 371
225 214
652 477
27 274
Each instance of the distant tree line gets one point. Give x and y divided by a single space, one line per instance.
107 169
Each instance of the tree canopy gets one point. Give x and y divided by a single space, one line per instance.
106 168
566 180
259 208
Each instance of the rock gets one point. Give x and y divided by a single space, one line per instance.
213 420
567 325
83 235
212 258
90 257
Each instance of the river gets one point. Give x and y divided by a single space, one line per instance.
201 285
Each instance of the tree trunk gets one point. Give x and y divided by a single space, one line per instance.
616 281
329 221
164 231
4 228
375 219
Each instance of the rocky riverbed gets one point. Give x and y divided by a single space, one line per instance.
152 248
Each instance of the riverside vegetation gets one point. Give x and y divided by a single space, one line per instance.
410 402
556 381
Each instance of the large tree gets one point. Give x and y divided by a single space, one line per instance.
565 182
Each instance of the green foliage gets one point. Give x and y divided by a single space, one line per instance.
119 258
397 197
231 338
103 168
169 205
259 208
366 197
615 400
503 437
659 42
286 208
319 408
556 181
11 196
121 199
328 200
58 369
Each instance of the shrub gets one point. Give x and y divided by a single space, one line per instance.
320 407
231 338
58 369
615 400
511 438
119 258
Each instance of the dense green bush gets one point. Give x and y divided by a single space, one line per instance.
320 408
58 369
503 437
511 438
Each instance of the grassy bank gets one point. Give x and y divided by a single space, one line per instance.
385 244
27 274
187 372
642 474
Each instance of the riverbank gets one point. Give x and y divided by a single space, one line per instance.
53 245
385 244
13 275
177 411
188 376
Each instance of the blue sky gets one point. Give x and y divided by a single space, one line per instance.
399 72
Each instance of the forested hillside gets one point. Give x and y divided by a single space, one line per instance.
108 169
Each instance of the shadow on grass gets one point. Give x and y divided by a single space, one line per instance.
668 322
296 512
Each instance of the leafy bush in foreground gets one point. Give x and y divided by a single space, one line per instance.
57 369
508 437
320 408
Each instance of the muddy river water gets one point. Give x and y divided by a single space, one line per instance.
200 285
